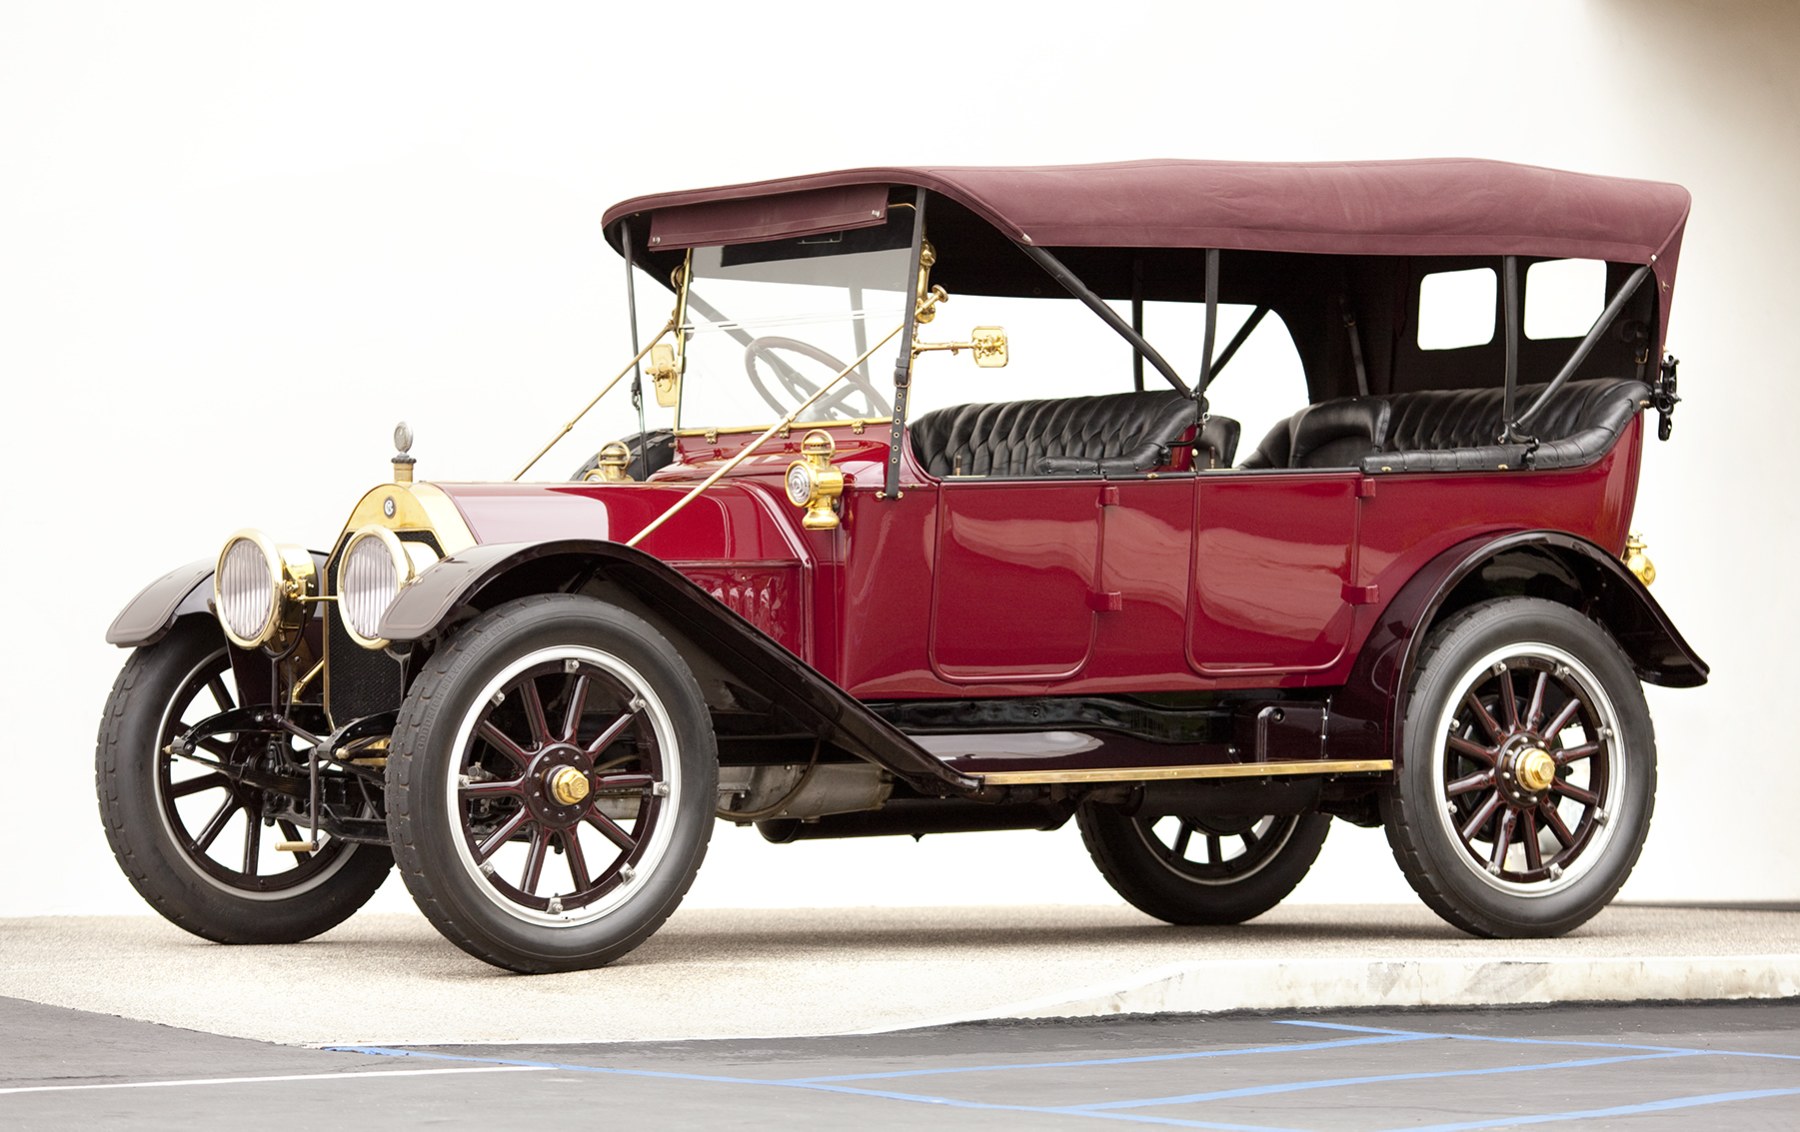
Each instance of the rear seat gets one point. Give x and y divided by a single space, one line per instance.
1111 435
1451 430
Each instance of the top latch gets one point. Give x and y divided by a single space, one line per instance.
1664 398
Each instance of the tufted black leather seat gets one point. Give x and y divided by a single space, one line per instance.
1458 430
1451 429
1443 430
1329 434
1114 434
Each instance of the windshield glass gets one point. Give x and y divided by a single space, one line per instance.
766 325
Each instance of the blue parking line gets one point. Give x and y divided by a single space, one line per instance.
1502 1040
846 1090
1378 1079
1286 1047
1617 1110
1129 1110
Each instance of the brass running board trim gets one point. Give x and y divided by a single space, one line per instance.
1162 773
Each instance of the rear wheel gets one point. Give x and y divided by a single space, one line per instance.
551 784
1529 771
193 835
1207 869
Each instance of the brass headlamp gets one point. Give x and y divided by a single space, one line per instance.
260 590
813 483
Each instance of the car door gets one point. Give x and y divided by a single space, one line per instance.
1013 587
1273 567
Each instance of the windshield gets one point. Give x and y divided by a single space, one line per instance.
766 325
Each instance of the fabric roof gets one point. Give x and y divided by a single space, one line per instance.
1456 206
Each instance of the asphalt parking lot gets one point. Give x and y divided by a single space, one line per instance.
1313 1017
1628 1067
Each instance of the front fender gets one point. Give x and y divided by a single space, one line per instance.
182 591
426 607
176 594
1539 563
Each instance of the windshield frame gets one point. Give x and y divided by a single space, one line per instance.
684 332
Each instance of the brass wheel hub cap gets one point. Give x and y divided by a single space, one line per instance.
568 785
1535 769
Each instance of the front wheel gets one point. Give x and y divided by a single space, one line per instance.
551 784
1529 770
1202 869
197 835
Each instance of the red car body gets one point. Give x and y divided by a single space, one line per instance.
1133 641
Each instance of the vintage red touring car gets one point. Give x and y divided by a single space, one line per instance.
861 587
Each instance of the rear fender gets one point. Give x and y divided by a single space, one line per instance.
1546 564
701 627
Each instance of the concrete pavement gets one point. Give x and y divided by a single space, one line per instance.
717 973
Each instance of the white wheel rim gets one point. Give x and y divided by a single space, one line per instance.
646 864
1573 671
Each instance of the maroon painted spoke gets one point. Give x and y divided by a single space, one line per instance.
612 732
502 835
1575 754
1534 853
199 782
1536 711
1481 817
217 825
611 830
1509 700
1585 797
220 695
577 704
578 869
1555 822
1215 852
1563 719
534 861
292 832
1182 837
1469 783
1503 839
1474 750
534 714
1487 721
512 787
1250 839
615 784
252 842
500 742
215 747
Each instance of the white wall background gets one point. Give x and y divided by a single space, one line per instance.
238 241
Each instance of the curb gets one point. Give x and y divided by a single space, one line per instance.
1223 986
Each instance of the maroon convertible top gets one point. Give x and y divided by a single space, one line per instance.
1456 206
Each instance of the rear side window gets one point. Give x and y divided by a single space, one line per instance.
1563 297
1457 309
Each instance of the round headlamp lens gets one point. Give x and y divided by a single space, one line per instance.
245 588
375 568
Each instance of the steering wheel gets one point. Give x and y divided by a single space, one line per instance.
799 388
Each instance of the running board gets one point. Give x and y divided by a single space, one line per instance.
1166 773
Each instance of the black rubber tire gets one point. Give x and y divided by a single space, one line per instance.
1135 861
1416 809
428 837
127 775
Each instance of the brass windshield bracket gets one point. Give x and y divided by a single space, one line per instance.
928 296
664 370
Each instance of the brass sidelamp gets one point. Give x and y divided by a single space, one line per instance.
813 483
